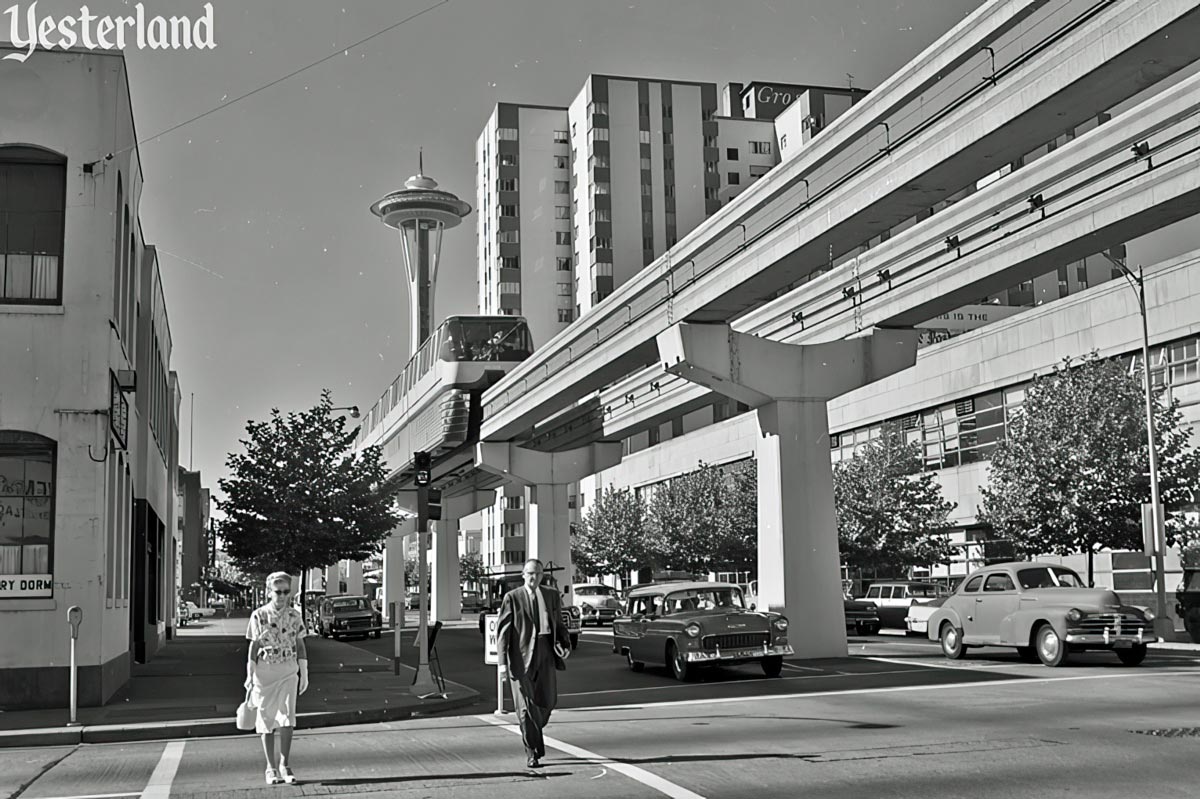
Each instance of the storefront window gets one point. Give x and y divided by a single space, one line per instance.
26 514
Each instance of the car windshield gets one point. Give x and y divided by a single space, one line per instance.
703 599
349 604
929 591
1048 577
594 590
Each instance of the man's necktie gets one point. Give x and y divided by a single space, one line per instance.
537 614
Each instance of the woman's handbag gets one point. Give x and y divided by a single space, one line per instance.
246 713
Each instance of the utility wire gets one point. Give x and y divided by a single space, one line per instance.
277 81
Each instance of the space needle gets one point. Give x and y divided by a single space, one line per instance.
421 212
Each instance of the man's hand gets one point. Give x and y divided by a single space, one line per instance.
562 650
503 668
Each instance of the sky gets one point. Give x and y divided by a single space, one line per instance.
279 281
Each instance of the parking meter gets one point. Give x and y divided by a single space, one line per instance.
74 617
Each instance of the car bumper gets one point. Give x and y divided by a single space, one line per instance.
917 625
374 628
602 614
1144 636
750 653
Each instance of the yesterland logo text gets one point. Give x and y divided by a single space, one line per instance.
27 31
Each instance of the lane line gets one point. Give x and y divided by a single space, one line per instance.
646 778
981 667
803 668
159 786
97 796
974 684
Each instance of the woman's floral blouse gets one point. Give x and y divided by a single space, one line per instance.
276 633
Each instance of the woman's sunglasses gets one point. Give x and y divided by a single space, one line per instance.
282 591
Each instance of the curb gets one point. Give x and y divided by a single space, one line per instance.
1177 645
204 728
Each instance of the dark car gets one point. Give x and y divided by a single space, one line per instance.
861 617
501 585
349 615
686 625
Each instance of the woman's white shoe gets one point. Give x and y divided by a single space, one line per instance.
273 777
286 773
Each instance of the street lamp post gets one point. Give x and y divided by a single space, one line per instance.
353 409
1164 628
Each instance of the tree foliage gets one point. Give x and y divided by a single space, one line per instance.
891 514
611 537
300 498
471 569
1073 471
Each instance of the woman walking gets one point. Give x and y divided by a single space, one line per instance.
276 673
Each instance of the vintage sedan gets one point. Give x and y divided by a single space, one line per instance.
862 617
686 625
349 615
1042 610
598 604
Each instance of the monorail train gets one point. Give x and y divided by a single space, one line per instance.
434 404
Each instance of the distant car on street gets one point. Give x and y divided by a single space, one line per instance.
862 617
598 604
893 598
197 612
1042 610
687 625
472 602
349 615
500 585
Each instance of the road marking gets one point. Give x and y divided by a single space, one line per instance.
159 786
633 772
97 796
974 684
802 668
964 667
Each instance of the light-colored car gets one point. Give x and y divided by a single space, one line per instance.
1042 610
917 620
598 604
894 598
687 625
197 612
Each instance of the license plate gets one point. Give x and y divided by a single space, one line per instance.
743 653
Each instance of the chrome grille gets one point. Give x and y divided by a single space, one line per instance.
734 640
1094 625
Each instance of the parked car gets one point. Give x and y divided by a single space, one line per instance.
349 615
472 602
1044 611
598 604
917 620
894 598
686 625
862 617
184 614
197 612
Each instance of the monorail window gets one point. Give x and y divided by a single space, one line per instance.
485 340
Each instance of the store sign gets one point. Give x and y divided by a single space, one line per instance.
118 412
971 317
491 652
26 586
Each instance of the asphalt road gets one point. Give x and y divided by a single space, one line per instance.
894 720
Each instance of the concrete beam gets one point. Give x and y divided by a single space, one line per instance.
531 467
758 371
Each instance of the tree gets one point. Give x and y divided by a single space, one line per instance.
300 498
611 538
471 569
1072 472
736 547
890 513
685 522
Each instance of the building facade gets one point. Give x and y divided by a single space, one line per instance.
88 419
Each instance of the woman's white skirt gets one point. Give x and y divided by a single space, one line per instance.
273 695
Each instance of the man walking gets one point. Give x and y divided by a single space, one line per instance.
532 643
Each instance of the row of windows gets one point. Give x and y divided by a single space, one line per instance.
968 430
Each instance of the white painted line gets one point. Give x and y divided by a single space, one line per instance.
803 668
973 684
633 772
96 796
899 662
159 786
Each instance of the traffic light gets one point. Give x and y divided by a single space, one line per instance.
433 505
422 464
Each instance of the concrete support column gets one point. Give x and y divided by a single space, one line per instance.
799 565
789 385
447 591
333 579
354 577
394 553
548 529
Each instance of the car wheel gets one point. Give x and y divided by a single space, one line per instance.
679 665
574 640
952 645
634 665
1027 654
1051 649
1132 656
772 666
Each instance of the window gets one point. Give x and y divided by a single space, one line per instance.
710 193
644 109
510 237
760 147
31 225
562 187
647 242
508 159
506 134
603 215
601 187
562 237
508 210
667 112
26 511
668 137
734 179
710 167
513 503
562 212
757 170
600 134
602 269
645 164
565 316
600 108
561 162
510 262
510 287
669 164
647 190
564 289
564 263
644 136
598 162
560 137
999 582
731 154
601 243
972 585
710 141
507 184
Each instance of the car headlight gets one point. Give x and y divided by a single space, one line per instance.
573 611
692 630
1074 614
587 607
781 624
1148 614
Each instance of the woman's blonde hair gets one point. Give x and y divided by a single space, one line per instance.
275 577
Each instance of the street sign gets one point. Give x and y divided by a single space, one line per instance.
491 654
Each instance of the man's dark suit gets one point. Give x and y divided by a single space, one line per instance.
531 660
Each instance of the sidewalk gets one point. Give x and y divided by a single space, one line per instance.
193 687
